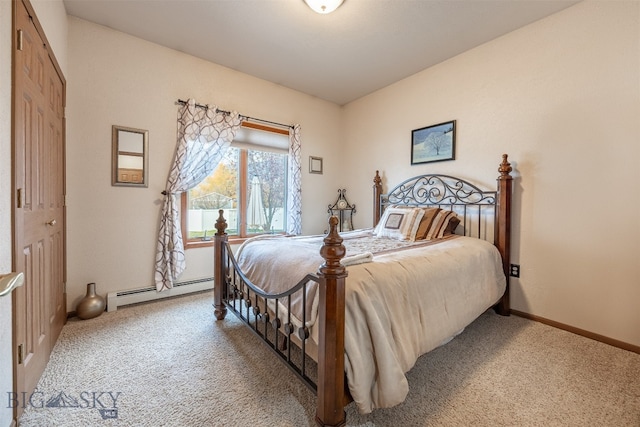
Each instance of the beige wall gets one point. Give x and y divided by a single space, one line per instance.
116 79
562 98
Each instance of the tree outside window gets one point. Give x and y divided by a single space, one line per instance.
249 185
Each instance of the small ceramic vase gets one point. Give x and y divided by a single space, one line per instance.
92 305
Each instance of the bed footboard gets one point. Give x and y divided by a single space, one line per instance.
331 383
330 378
219 268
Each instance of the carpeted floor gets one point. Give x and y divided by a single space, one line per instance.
169 363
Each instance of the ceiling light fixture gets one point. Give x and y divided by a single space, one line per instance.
323 6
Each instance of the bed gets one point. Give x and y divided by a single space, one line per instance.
351 312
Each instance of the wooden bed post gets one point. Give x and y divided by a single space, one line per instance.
219 268
503 228
377 191
331 307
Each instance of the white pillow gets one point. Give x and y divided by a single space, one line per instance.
399 223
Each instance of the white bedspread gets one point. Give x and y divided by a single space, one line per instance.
398 307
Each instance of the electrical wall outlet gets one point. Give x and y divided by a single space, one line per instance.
515 270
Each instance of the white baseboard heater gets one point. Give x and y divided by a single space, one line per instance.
134 296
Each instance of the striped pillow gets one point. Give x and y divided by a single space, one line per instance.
399 223
440 224
425 223
453 224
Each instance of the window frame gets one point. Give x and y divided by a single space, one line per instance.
242 202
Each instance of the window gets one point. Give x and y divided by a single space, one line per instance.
249 185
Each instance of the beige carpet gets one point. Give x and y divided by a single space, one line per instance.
169 363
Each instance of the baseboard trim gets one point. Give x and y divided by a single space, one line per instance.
597 337
133 296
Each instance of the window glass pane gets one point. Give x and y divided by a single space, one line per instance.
218 191
266 194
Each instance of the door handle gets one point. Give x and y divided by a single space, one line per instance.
52 222
9 282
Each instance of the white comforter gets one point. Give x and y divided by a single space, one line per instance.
399 306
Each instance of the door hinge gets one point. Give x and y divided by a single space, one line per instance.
19 198
20 354
19 41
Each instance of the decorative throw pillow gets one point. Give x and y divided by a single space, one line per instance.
425 223
453 224
440 224
399 223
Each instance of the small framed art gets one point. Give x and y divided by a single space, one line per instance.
315 164
433 143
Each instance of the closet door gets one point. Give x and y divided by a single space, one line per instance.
39 307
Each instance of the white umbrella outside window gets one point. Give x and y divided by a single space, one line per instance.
256 218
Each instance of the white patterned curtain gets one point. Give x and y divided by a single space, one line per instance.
294 198
204 134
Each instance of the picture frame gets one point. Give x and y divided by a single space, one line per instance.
129 157
435 143
315 165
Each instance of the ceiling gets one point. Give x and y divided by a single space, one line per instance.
363 46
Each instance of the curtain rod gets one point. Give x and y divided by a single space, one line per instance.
181 102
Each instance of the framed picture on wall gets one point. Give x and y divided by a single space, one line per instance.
315 164
433 143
